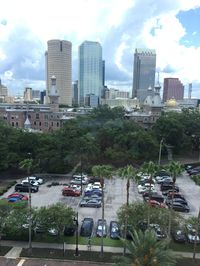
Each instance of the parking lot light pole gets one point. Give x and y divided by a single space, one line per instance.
160 151
76 221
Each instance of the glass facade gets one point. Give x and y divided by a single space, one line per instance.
144 72
90 70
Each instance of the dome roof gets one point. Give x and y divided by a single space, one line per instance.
171 103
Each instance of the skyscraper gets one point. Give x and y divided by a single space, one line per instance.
143 72
173 88
59 64
90 79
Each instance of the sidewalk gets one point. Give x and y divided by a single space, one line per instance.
18 245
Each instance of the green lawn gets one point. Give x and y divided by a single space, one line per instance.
4 250
183 247
96 241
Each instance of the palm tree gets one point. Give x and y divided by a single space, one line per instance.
150 168
145 250
128 173
175 169
102 171
195 222
27 165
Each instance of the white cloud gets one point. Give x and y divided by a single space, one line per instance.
120 25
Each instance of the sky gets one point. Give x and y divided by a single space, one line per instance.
171 27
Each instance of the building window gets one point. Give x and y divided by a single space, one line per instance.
17 124
57 124
37 116
35 123
46 117
40 124
12 117
46 124
52 124
13 124
29 116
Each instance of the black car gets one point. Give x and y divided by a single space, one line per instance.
177 206
175 195
69 230
165 187
114 230
90 203
101 228
87 227
176 200
179 236
25 188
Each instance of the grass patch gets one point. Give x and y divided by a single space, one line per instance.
69 255
4 250
95 241
196 179
187 247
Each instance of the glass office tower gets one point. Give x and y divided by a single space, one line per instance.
90 80
144 72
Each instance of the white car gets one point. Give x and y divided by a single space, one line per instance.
89 187
32 182
146 187
36 179
75 187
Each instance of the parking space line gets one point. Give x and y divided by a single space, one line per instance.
21 262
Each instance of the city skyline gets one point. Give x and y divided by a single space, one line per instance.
120 26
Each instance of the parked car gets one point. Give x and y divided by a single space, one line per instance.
32 182
166 180
153 196
161 179
165 187
17 195
94 196
166 192
70 192
90 203
179 236
75 187
69 230
177 206
175 200
78 182
101 228
25 188
192 235
145 187
87 227
94 179
175 195
158 232
156 204
114 230
36 179
93 192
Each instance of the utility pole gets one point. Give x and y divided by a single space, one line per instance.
160 151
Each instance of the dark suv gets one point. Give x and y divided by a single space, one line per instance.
87 227
25 188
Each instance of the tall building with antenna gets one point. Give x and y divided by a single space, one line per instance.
143 72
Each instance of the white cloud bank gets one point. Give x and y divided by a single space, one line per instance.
120 26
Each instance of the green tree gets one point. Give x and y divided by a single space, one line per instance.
128 173
102 171
195 222
145 250
55 216
27 164
175 169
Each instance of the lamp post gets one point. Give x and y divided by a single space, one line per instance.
160 151
76 221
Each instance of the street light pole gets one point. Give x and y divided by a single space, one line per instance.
76 220
160 151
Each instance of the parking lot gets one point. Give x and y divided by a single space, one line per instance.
115 196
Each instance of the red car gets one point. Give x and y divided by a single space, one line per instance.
18 195
154 203
67 191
